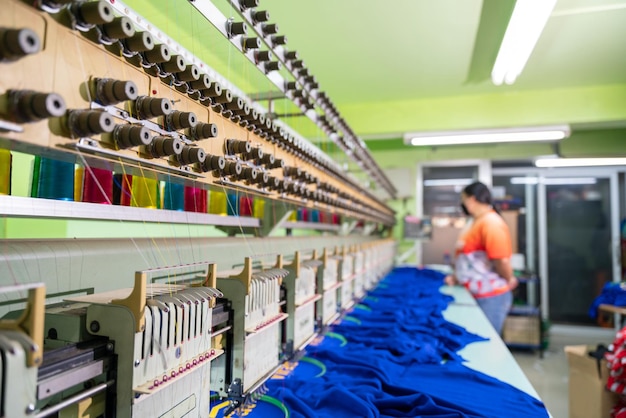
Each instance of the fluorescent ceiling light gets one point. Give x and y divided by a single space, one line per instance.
579 162
527 22
569 180
488 136
554 181
448 182
524 180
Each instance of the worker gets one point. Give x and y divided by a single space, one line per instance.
483 256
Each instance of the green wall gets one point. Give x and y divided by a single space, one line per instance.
522 108
393 153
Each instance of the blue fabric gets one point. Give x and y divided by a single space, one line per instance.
496 309
400 360
612 294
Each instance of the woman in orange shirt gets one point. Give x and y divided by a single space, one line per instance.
483 256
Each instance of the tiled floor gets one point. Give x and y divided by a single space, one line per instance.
549 375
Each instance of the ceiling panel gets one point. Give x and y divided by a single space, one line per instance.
411 49
587 48
381 50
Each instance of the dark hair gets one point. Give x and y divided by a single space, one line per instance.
480 192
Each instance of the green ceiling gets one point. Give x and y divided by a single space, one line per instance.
408 65
405 49
404 65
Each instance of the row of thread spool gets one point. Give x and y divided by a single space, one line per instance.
60 180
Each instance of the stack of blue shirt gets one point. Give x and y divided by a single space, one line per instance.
395 355
612 294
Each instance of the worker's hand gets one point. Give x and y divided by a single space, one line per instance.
513 282
450 280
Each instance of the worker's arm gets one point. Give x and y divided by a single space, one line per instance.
502 266
450 280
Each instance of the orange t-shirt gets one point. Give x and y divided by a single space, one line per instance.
490 234
488 238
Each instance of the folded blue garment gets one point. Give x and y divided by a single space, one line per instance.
395 355
449 390
612 294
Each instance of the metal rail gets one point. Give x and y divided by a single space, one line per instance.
74 399
25 207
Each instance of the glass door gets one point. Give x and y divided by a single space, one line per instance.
438 196
579 237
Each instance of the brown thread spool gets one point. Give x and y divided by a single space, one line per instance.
269 29
278 40
109 91
202 83
249 4
159 54
150 107
260 16
236 104
139 42
18 43
226 96
252 154
235 146
262 56
213 163
128 136
271 66
30 106
250 43
192 155
190 73
180 120
164 146
90 122
290 55
176 64
93 12
250 174
203 131
120 28
233 168
236 28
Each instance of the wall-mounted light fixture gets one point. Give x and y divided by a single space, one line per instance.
527 22
487 136
554 181
447 182
579 162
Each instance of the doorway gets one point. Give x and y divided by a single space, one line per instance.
438 196
572 235
580 240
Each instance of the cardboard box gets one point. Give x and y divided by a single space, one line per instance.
511 218
588 396
522 330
